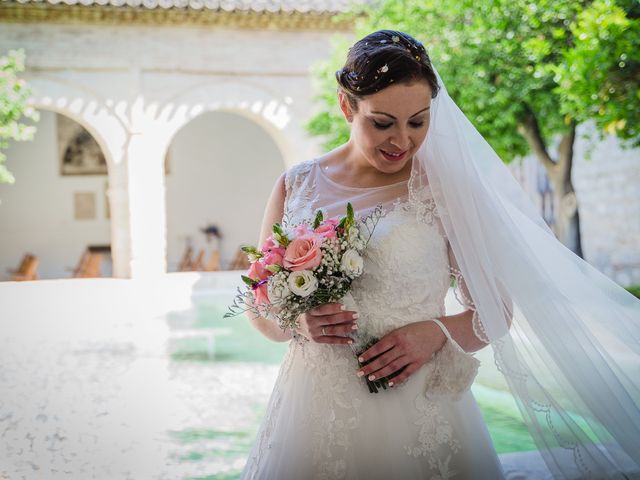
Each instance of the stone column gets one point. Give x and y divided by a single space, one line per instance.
146 201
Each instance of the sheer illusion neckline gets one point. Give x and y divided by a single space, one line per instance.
329 180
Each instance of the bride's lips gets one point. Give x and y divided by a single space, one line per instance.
393 156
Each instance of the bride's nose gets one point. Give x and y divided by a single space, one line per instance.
401 140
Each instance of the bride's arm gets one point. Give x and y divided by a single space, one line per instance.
466 327
273 213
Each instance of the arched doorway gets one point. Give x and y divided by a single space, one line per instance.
221 169
58 206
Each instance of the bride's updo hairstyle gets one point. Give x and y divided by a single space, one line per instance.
381 59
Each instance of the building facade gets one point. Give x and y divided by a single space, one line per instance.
197 107
135 75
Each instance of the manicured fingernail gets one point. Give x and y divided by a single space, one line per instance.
343 307
349 342
371 377
354 327
355 315
391 384
360 359
360 374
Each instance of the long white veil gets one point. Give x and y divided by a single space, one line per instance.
566 338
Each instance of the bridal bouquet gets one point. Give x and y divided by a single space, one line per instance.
306 265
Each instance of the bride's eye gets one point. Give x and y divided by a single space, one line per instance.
381 126
416 124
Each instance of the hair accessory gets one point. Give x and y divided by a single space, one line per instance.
395 39
383 69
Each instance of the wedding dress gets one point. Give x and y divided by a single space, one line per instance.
321 421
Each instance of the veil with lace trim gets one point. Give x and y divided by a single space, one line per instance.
566 338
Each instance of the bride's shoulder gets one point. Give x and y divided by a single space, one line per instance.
302 167
298 172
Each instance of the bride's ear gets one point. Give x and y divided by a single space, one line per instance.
345 106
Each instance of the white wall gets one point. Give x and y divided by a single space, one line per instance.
36 212
607 183
222 170
606 178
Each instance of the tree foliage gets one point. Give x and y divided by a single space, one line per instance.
14 109
508 62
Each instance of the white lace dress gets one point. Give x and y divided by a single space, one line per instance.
321 421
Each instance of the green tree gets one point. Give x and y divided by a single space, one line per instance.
526 73
14 94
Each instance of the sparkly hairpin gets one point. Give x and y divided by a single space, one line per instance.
383 69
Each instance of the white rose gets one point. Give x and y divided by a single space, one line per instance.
302 283
278 289
352 263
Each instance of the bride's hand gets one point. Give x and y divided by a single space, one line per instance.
328 323
405 349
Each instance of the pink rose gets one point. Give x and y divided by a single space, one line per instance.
257 271
327 230
303 253
261 294
268 244
275 256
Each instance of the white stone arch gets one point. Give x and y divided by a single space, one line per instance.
106 121
256 103
84 106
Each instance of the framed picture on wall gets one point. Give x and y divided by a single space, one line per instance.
78 151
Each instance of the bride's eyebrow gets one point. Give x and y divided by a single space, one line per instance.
391 116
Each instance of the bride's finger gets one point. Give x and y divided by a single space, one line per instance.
336 318
377 349
386 364
341 329
326 309
332 339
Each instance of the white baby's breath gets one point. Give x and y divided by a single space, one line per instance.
278 287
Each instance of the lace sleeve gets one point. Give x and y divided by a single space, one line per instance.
464 297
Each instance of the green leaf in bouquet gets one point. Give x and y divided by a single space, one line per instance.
247 280
279 235
343 223
350 215
318 219
274 268
252 252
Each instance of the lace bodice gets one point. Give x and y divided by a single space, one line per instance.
406 265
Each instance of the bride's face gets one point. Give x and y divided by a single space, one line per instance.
389 126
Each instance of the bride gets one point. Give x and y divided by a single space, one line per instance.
451 210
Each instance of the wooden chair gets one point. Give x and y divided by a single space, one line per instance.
213 265
27 270
198 263
240 261
89 265
186 263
